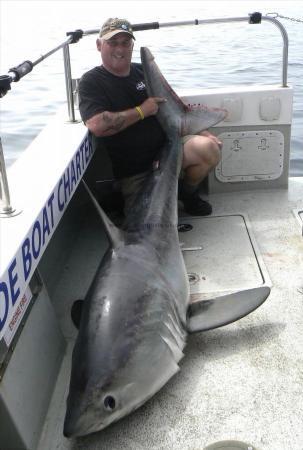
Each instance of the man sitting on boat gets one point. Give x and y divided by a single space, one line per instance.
116 109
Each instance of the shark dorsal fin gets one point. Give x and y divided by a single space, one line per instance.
114 235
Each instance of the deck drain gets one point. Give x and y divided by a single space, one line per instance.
230 445
193 277
184 227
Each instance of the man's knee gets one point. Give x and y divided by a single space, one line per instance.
202 150
213 154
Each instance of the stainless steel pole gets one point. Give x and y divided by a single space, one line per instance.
5 207
285 47
68 83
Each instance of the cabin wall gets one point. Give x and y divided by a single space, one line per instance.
255 134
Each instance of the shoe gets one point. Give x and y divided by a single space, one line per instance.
195 206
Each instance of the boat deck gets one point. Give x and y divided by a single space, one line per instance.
243 381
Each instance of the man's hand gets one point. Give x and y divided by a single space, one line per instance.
212 137
150 106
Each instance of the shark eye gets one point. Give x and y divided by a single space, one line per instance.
109 403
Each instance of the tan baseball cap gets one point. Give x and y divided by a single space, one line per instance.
115 26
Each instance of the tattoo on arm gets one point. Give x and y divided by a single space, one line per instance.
114 121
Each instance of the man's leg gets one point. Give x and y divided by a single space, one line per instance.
201 153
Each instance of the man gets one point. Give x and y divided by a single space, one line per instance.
114 106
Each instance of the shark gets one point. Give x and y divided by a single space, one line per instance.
137 313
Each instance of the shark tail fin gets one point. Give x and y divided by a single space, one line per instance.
114 235
186 119
201 118
213 313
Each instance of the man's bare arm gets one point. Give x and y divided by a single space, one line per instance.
109 123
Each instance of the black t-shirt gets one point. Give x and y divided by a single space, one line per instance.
134 149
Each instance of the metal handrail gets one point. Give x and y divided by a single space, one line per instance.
15 73
285 47
24 68
253 19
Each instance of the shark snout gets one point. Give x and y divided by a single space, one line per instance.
79 428
75 424
68 428
82 418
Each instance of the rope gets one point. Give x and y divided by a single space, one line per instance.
275 15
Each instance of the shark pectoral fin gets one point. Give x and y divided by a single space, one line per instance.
115 236
76 312
213 313
201 118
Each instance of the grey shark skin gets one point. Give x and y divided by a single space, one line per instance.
186 119
132 329
134 322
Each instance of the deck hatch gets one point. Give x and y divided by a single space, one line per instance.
228 260
251 156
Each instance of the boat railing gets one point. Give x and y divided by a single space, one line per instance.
16 73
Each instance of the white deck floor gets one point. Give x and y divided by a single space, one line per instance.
243 381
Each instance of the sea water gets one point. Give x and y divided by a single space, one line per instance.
191 57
